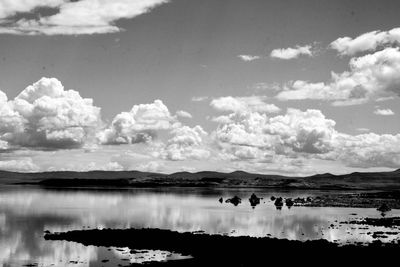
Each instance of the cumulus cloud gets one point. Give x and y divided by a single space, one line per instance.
369 41
301 135
248 58
110 166
19 165
369 150
371 76
292 53
72 17
186 143
3 145
240 104
152 166
296 131
184 114
45 115
383 112
141 124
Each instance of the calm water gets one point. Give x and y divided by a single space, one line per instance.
26 213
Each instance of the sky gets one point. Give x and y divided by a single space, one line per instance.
287 87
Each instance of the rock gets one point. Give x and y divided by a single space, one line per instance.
278 203
221 200
384 208
254 200
235 200
273 198
289 202
299 200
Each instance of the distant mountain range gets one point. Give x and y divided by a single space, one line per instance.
356 180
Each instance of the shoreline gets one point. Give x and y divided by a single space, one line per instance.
356 198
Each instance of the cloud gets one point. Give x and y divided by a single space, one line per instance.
10 8
240 104
301 136
183 114
296 131
186 143
262 86
141 124
110 166
248 58
44 115
371 76
385 98
384 112
291 53
47 119
363 129
20 165
369 150
3 145
72 17
152 166
369 41
199 98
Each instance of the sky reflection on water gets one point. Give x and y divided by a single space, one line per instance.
26 214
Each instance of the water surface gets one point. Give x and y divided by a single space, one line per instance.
25 213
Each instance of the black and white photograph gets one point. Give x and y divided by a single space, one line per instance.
199 132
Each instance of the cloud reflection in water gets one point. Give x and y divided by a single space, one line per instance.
26 214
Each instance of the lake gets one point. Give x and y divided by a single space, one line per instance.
25 213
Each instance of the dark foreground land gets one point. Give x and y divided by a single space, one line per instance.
219 250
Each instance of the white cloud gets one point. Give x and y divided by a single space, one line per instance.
241 104
186 143
73 17
301 135
369 41
141 124
262 86
184 114
152 166
248 58
3 145
369 150
110 166
44 115
363 129
199 98
291 53
19 165
296 131
372 76
385 98
384 112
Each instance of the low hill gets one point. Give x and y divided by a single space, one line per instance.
356 180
